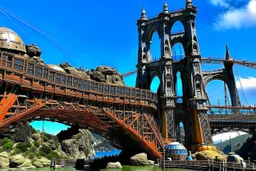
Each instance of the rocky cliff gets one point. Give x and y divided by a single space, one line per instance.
24 147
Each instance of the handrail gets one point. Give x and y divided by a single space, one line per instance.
79 83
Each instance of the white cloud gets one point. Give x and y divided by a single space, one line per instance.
235 17
246 83
222 3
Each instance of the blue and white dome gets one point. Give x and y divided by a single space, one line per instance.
175 150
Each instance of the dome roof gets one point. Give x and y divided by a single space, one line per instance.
175 146
11 40
56 67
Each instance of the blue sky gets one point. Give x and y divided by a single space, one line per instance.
105 33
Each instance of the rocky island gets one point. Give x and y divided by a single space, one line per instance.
25 147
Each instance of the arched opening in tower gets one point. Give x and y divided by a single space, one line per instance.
178 52
220 97
181 133
155 83
177 28
179 88
155 46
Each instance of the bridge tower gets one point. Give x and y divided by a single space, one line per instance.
230 80
192 111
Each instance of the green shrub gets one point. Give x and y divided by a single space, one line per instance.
28 144
39 156
52 155
33 149
45 149
6 140
1 149
41 153
36 144
7 146
46 139
31 156
15 151
22 146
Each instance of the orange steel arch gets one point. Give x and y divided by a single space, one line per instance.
140 126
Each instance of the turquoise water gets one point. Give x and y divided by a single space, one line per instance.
100 154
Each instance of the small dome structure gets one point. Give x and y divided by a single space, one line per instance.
176 151
9 40
56 68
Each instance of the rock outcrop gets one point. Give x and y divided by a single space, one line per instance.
23 148
33 50
108 75
80 146
45 162
16 160
27 164
37 163
114 165
210 154
18 134
141 159
4 160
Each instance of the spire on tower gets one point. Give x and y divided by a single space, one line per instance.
189 3
228 57
165 8
143 14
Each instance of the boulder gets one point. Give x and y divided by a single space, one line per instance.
114 165
107 74
141 159
27 164
210 154
57 166
45 162
33 50
151 162
37 163
16 160
97 76
4 160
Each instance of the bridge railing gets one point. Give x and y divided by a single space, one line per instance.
233 117
41 77
204 164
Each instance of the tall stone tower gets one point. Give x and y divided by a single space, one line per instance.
192 111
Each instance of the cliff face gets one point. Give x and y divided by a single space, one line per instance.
80 145
25 147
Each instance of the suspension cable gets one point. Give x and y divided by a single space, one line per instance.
15 24
3 12
241 86
53 40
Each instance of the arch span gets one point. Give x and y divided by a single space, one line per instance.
134 125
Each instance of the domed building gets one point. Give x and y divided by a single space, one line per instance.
175 151
11 41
